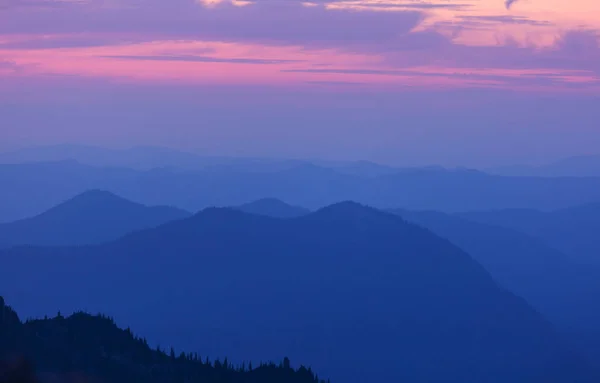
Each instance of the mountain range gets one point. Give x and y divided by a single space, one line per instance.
152 157
29 189
563 290
359 294
138 158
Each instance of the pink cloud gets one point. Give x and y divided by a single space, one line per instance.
384 44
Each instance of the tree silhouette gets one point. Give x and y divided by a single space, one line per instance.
96 347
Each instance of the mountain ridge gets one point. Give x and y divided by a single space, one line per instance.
32 188
273 207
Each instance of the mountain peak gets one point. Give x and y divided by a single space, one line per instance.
91 217
97 195
92 199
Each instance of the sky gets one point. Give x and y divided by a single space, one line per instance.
405 82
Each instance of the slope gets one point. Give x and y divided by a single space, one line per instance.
573 230
563 290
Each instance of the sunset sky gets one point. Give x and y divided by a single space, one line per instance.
465 82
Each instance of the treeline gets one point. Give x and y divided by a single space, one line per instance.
93 346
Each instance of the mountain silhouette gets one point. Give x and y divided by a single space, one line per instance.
29 189
358 294
89 218
272 207
84 347
573 230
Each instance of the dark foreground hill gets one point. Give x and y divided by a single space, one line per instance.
85 348
358 294
572 230
92 217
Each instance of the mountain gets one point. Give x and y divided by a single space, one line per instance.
563 290
573 230
89 218
273 207
578 166
29 189
358 294
84 347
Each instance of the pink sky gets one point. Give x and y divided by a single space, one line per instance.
546 48
546 44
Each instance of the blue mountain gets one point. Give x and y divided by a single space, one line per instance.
89 218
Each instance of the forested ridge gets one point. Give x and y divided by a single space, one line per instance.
94 347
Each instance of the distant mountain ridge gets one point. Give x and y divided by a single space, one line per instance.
29 189
145 158
92 217
578 166
359 294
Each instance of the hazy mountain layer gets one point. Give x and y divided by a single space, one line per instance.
29 189
573 230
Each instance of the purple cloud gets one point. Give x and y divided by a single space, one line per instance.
205 59
478 79
503 19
